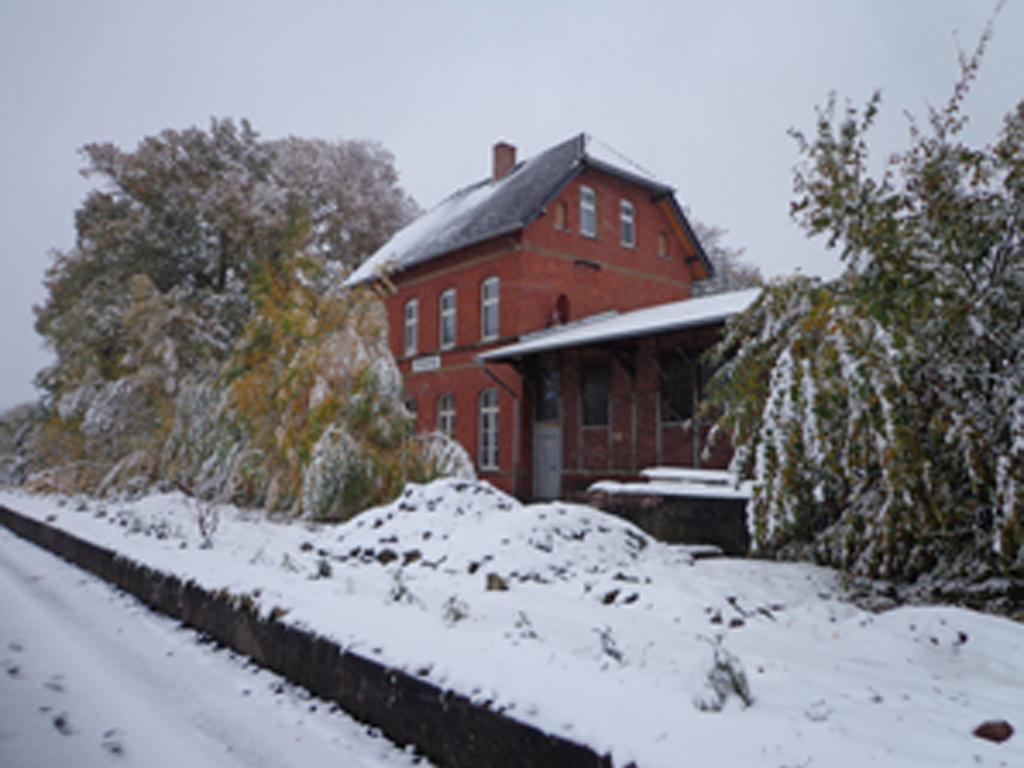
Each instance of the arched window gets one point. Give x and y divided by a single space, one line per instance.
562 313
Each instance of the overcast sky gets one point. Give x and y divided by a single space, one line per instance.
699 93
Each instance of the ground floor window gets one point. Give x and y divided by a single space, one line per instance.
676 383
487 456
446 414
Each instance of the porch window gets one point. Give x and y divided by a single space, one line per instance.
595 380
676 379
446 414
489 309
447 314
412 326
487 456
588 212
627 224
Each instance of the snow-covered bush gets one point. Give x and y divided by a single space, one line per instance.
725 678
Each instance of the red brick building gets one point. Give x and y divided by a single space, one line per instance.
549 246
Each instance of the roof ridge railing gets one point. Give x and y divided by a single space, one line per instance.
589 138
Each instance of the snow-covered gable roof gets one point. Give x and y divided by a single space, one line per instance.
491 208
663 318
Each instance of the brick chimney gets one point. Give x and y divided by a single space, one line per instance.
504 159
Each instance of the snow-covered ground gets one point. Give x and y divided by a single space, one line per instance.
577 622
90 677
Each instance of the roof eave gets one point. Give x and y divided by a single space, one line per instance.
496 356
433 255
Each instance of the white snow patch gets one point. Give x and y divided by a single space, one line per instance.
577 622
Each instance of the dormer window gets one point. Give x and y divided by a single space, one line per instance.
412 326
588 212
447 315
627 224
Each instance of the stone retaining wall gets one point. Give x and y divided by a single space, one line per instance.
448 728
682 520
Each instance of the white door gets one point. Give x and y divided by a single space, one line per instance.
547 460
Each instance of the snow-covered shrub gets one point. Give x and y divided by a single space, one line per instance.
337 473
18 426
724 678
207 520
446 457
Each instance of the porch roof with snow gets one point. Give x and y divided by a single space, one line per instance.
614 326
491 208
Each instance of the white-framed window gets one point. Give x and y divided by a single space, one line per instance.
588 212
412 327
627 224
446 312
489 308
446 414
487 457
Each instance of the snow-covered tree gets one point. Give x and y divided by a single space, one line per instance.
202 211
882 414
350 193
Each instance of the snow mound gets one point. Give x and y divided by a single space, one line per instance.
470 526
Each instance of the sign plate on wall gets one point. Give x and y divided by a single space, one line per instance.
428 363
